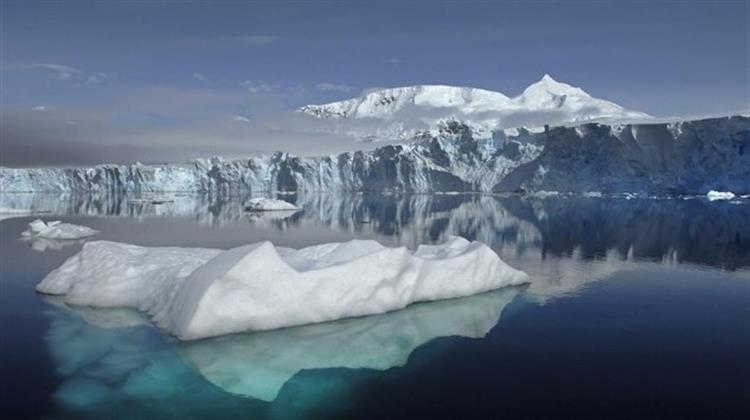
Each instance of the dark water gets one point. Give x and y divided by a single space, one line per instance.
637 308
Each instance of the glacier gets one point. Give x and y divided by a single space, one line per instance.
665 158
199 293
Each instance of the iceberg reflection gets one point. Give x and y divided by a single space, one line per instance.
259 364
108 358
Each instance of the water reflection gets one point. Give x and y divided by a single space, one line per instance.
694 231
109 356
258 365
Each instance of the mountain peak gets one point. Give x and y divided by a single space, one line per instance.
548 87
406 110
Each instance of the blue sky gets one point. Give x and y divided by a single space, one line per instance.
128 70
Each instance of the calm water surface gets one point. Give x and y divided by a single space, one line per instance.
636 308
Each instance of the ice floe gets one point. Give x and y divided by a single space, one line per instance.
719 195
57 230
269 204
198 293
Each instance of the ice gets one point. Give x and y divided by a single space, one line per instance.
198 293
258 365
649 159
57 230
106 356
399 113
719 195
269 204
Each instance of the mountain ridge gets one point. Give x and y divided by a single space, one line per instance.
404 111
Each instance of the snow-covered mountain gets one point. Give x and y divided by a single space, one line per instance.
401 113
688 157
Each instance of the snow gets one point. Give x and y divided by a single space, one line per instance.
198 293
719 195
269 204
58 230
409 108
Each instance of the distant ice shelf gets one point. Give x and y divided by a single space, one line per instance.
198 293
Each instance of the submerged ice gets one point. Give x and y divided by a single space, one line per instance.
107 356
198 293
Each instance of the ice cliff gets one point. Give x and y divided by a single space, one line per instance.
686 157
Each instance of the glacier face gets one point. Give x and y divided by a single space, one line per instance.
399 113
689 157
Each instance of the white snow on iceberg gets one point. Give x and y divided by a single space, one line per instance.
58 230
269 204
198 293
719 195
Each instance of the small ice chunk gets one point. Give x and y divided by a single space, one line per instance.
268 204
58 230
719 195
198 293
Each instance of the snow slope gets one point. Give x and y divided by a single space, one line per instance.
402 112
198 293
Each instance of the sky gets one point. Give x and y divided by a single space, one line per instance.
84 82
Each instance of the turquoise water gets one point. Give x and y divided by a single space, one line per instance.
637 308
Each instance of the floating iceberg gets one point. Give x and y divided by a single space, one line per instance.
198 293
269 204
719 195
58 230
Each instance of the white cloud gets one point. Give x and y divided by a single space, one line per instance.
57 71
257 87
240 118
257 40
40 108
394 60
332 87
96 78
199 76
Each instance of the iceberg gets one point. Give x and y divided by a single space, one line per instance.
719 195
269 204
199 293
58 230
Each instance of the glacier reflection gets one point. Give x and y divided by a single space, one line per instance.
680 230
113 357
